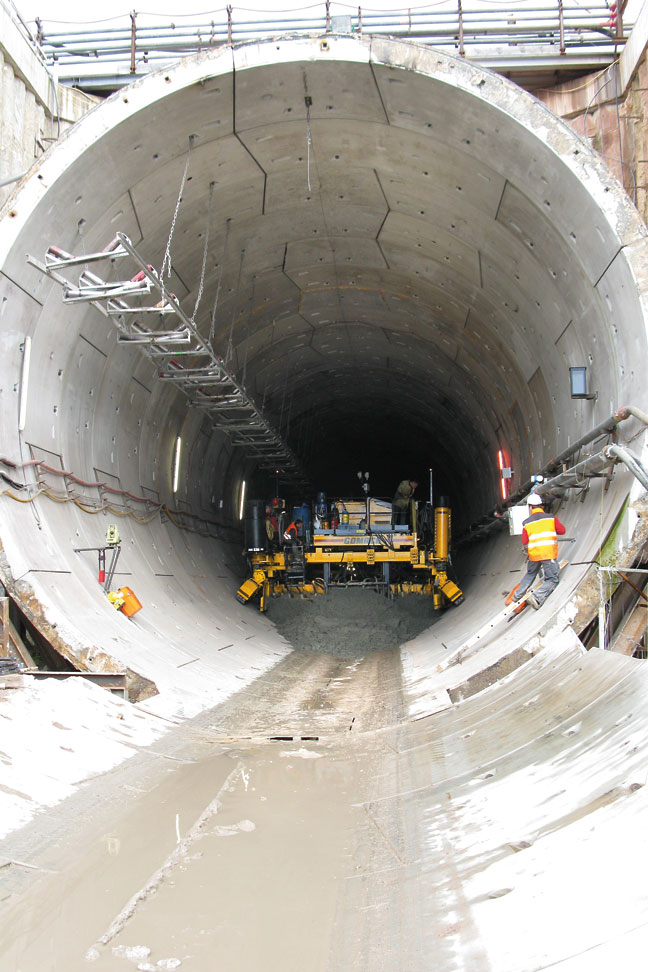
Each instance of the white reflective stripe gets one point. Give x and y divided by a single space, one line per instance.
541 537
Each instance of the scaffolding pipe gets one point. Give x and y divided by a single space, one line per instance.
133 41
592 466
576 476
631 461
10 179
497 516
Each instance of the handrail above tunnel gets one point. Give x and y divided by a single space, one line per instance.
551 38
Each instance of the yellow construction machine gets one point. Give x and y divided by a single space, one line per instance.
350 543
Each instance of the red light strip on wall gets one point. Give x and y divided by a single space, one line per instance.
501 464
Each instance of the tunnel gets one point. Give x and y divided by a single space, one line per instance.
398 256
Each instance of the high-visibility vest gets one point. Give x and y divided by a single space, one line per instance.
543 540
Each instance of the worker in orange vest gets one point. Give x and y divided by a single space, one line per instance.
292 536
540 537
293 532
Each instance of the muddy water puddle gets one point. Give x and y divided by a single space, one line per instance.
237 861
257 888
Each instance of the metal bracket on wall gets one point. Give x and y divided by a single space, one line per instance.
101 551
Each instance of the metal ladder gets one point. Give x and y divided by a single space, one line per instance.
204 379
295 570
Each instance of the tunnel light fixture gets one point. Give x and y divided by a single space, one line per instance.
176 463
242 500
578 383
24 384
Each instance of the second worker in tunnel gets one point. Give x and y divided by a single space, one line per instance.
401 501
292 537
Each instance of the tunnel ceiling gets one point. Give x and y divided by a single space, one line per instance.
405 253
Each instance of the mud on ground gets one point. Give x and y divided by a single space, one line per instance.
349 622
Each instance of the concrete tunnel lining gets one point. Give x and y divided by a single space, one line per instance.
465 305
459 249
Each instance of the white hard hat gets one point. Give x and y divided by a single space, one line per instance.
534 499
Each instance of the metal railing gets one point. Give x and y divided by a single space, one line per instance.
576 477
135 47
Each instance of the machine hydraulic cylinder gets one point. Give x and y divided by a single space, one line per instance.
441 531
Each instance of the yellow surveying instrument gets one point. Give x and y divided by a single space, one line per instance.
112 535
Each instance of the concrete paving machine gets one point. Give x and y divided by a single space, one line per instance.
348 543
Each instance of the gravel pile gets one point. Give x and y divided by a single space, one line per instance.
349 622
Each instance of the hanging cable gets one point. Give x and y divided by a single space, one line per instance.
166 262
247 333
229 354
283 400
204 260
290 405
212 326
309 102
265 390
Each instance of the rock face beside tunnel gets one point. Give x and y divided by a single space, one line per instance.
398 255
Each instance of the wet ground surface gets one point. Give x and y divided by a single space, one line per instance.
307 824
234 846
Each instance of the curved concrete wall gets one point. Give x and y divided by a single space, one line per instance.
408 290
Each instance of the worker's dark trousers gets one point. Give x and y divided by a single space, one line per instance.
551 576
